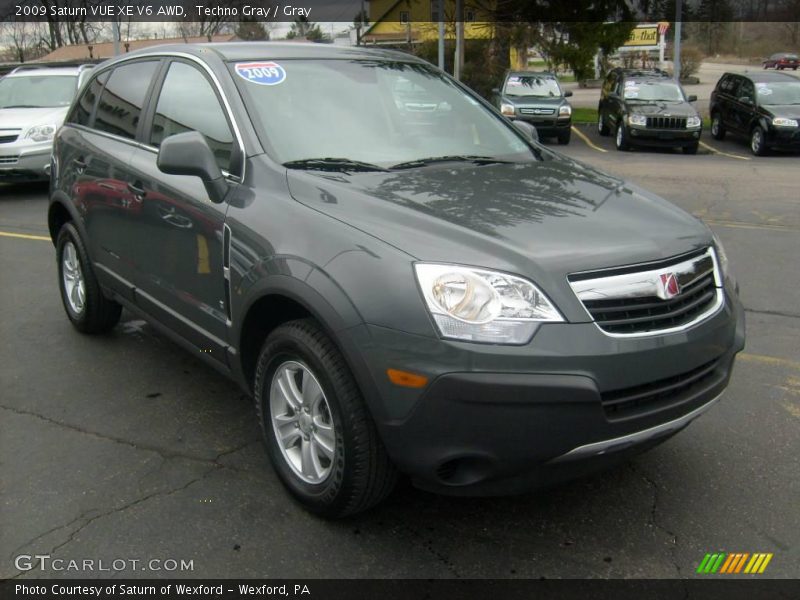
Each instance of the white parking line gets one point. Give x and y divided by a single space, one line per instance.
720 152
589 142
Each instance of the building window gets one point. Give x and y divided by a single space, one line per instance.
404 17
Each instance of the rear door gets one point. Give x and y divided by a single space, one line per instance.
94 164
729 90
178 233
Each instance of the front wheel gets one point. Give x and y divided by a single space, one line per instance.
758 141
87 309
563 138
717 128
602 127
319 435
622 137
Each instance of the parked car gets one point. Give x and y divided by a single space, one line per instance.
33 104
536 98
468 308
782 60
648 108
761 107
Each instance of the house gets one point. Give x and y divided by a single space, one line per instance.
415 21
103 50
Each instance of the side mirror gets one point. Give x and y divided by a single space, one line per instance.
189 154
692 98
568 93
527 129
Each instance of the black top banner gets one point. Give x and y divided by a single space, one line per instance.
394 11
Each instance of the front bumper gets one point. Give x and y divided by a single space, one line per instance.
502 419
547 126
25 161
784 138
664 137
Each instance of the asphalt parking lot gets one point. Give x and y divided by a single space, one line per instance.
127 447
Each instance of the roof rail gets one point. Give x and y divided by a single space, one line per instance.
26 68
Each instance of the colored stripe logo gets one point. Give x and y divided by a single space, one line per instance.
734 563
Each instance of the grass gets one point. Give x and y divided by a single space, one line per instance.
584 115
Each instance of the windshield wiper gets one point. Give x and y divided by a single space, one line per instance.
421 162
332 164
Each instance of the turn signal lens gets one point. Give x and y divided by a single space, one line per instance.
406 379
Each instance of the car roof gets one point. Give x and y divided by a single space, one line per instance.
44 71
643 73
764 76
236 51
529 73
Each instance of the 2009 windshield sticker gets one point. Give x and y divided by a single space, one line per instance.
261 73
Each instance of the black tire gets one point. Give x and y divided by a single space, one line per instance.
691 149
360 473
758 141
717 127
602 126
98 314
563 138
621 138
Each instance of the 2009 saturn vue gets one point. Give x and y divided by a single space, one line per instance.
403 286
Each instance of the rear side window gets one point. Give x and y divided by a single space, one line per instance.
188 103
85 105
120 105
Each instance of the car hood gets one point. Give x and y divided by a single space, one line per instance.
665 109
535 102
547 218
790 111
22 118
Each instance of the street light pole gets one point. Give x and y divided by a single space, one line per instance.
676 51
441 34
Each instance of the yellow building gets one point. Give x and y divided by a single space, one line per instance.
414 21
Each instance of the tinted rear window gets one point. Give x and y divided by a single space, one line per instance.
121 102
85 105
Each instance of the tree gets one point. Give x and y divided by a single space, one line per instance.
303 28
251 30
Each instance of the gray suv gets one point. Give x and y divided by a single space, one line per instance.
439 296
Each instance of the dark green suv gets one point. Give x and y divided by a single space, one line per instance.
538 99
647 108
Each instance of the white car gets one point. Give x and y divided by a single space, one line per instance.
33 104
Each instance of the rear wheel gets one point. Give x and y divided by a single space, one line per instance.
622 137
717 128
758 141
563 138
319 435
87 309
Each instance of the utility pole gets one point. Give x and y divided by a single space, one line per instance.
458 63
115 27
441 34
676 50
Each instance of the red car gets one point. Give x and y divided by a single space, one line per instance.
782 60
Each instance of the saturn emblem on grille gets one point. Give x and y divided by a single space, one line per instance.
669 286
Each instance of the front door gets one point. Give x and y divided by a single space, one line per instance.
179 231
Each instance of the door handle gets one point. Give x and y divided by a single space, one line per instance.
137 189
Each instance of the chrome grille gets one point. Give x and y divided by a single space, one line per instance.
666 122
537 111
636 301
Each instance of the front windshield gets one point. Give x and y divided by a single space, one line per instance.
37 91
778 92
379 112
538 86
663 91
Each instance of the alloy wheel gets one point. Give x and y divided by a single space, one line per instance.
302 422
74 286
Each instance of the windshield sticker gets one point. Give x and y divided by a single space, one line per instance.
630 83
764 91
514 79
632 92
261 73
513 83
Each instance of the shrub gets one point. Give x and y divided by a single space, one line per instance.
691 59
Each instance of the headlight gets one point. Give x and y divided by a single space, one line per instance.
637 120
508 109
783 122
693 122
41 133
483 306
722 257
565 110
